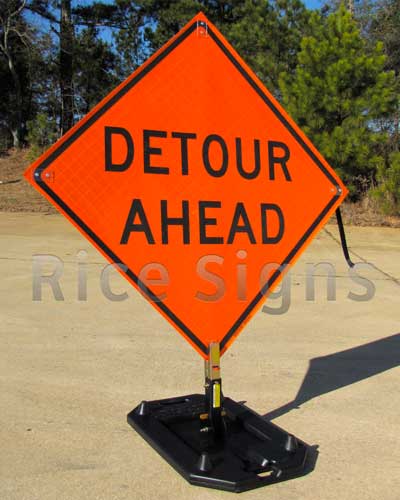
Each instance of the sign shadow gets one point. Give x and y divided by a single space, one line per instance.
340 369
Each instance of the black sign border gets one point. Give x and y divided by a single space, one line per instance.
38 178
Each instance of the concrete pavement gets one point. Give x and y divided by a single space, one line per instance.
70 371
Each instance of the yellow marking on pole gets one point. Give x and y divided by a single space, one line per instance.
216 395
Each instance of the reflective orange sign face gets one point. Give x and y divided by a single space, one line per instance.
194 180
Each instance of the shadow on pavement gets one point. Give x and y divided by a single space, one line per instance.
329 373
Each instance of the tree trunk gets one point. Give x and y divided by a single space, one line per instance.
16 135
17 127
66 66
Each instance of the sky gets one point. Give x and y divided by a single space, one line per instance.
313 4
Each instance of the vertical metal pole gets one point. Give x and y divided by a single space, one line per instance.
213 386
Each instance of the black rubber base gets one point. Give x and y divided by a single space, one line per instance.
252 453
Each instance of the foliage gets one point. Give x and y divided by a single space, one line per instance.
266 34
339 93
132 47
15 69
42 133
385 26
337 71
388 190
94 70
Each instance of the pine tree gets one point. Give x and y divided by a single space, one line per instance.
66 19
95 80
266 33
129 40
339 93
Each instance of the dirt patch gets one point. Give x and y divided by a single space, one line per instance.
17 195
366 213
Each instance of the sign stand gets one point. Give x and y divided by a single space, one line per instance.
190 152
216 442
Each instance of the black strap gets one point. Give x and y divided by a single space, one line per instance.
343 238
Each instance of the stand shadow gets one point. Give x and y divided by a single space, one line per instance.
329 373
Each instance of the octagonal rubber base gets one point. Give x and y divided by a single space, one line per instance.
252 452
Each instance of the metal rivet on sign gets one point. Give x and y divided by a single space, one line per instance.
202 29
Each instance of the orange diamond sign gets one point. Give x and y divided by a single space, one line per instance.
193 179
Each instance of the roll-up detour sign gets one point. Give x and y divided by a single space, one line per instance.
192 179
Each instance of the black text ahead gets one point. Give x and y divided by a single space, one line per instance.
269 160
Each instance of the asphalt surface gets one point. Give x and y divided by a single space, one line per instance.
70 371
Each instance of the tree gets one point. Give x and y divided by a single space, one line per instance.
14 41
66 20
385 27
66 66
266 34
132 48
388 190
95 80
339 93
167 18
